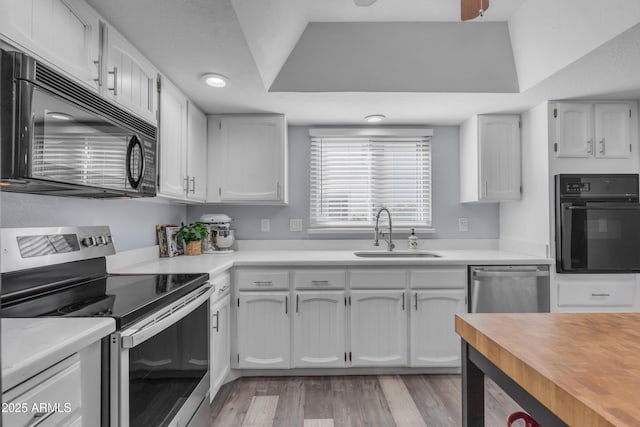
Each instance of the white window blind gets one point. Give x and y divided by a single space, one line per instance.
354 176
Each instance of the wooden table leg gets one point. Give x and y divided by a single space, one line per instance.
472 391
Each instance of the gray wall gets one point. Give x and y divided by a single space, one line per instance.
132 222
483 218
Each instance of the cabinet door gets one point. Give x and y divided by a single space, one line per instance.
173 137
434 342
220 344
612 130
378 322
65 33
263 330
319 329
129 78
574 130
499 172
196 153
252 159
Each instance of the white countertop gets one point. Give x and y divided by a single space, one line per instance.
217 263
31 345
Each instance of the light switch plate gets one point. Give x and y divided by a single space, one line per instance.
295 225
463 224
265 225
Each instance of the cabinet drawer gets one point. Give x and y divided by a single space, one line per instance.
262 279
319 279
441 278
52 397
222 283
596 294
377 279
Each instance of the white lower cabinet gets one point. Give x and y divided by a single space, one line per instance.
220 343
434 342
378 322
263 330
319 329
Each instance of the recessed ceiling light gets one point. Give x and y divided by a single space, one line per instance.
215 80
375 118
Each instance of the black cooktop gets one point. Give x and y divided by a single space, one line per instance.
126 298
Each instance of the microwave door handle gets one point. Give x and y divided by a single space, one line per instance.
134 335
134 181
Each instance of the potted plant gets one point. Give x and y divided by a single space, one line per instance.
192 235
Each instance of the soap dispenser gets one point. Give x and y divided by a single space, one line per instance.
413 240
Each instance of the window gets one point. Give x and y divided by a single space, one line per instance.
355 172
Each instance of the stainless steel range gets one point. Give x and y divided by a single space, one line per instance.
156 364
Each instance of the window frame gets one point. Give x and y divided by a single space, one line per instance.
371 134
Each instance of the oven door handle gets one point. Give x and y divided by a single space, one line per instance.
630 207
147 328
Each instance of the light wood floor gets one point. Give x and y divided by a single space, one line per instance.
394 400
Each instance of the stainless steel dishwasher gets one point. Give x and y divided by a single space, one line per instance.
509 289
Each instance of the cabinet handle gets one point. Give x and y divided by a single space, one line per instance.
416 300
39 418
403 297
590 146
278 190
217 320
602 144
193 184
220 191
286 305
297 302
263 283
485 189
601 294
98 64
320 282
115 81
186 183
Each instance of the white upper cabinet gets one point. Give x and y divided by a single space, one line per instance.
65 33
592 130
490 158
183 146
196 153
173 142
612 130
128 77
248 155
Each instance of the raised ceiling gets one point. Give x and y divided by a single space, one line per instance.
267 49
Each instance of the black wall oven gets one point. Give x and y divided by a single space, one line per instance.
597 223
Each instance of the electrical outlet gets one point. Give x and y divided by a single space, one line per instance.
295 225
463 224
265 225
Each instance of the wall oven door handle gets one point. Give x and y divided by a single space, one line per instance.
147 328
626 207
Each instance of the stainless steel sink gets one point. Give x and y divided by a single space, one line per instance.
396 254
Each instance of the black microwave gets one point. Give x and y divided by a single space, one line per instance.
597 223
59 138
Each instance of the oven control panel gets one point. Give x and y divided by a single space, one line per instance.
35 247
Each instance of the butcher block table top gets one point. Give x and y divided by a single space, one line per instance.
584 367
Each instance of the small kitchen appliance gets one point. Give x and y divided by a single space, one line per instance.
59 138
220 237
155 366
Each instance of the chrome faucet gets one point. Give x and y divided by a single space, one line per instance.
390 244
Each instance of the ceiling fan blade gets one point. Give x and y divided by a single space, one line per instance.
470 9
